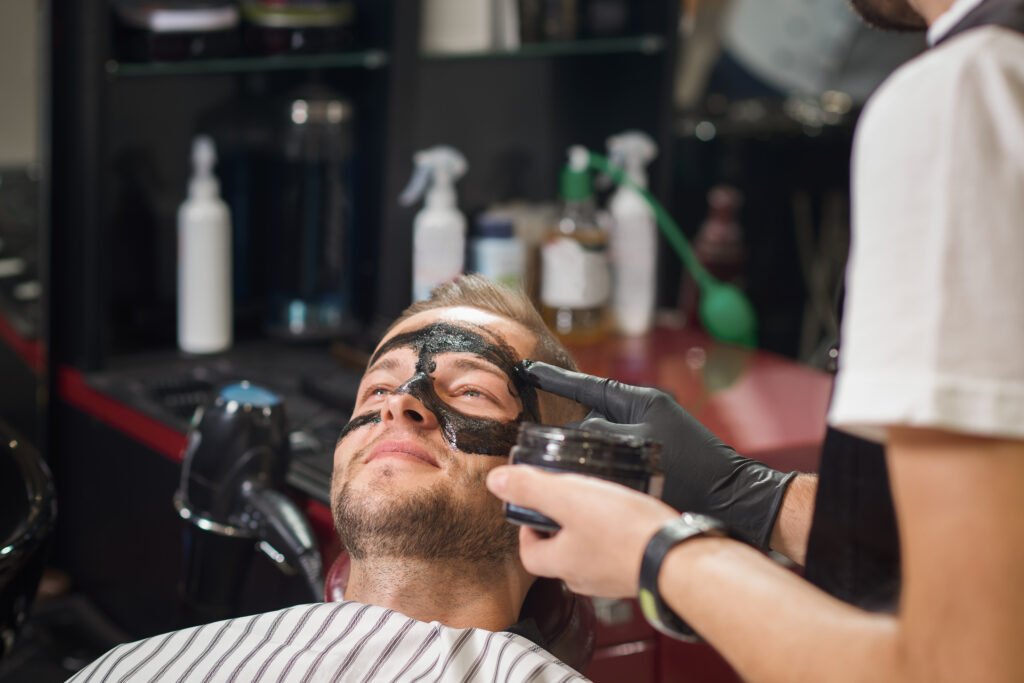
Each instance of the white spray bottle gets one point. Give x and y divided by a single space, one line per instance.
439 230
634 246
204 259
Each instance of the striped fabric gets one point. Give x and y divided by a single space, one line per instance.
344 641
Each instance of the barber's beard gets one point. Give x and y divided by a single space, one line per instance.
429 524
889 15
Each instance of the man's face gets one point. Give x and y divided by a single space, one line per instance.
438 407
890 15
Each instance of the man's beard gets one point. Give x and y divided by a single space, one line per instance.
889 15
427 524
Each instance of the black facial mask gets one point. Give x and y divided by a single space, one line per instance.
475 435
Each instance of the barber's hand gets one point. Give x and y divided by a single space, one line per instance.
702 474
605 528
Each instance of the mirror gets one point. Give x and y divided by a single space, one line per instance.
22 217
766 98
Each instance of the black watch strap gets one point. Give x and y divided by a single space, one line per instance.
672 533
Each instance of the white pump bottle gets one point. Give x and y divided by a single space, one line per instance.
439 229
634 246
204 259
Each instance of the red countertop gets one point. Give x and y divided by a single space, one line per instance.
763 405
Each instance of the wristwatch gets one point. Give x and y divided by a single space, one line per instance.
672 533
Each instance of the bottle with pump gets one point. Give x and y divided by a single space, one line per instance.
633 244
204 259
439 229
575 277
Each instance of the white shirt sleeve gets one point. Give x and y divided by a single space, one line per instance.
933 331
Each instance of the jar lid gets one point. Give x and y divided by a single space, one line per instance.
493 225
589 448
304 14
189 16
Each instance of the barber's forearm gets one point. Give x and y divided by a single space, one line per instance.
770 624
793 525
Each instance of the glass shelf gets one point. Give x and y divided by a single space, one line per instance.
367 59
644 45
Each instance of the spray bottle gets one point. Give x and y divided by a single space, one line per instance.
204 259
439 230
634 247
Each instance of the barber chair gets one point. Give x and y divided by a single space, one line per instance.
564 619
27 512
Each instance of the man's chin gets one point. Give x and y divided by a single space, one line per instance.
413 517
889 15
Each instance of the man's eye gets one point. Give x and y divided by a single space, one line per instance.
472 393
377 392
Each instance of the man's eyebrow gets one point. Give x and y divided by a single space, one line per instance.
464 363
386 363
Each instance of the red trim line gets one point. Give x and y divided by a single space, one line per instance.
29 350
165 440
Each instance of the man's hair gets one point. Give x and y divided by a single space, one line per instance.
476 291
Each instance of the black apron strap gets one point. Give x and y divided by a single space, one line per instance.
853 552
1005 13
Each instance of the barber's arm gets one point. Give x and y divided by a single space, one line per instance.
764 507
962 606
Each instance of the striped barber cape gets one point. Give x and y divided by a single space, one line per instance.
341 641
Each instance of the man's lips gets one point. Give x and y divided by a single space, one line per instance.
402 449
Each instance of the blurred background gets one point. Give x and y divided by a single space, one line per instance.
315 110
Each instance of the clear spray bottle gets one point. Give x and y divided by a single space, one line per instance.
439 229
633 244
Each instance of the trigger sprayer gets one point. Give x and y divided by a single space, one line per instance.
724 309
632 151
439 229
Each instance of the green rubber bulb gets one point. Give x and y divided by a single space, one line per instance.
727 313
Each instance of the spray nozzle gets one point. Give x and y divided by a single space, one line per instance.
579 158
204 157
632 151
443 165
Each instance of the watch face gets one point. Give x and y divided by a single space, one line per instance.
700 524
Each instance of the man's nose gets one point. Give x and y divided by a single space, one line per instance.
404 406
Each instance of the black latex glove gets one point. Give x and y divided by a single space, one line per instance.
702 474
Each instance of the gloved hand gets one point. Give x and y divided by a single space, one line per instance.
702 474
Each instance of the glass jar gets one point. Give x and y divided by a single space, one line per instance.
311 257
626 460
172 30
274 27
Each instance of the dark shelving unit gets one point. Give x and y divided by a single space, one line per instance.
365 59
120 138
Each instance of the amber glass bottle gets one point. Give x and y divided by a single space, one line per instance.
575 275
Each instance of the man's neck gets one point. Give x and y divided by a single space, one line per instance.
457 595
931 9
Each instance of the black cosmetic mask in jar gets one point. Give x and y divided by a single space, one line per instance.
625 460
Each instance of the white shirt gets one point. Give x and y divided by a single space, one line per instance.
933 331
342 641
